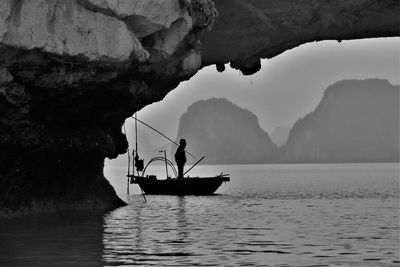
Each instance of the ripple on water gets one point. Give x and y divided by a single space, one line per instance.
286 215
218 231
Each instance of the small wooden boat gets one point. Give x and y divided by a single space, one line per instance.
149 184
175 186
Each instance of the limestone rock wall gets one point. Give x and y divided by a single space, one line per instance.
71 72
66 28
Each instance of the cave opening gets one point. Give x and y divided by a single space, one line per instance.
288 87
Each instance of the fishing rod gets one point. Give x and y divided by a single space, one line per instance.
137 120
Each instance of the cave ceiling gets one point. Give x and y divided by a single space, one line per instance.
248 30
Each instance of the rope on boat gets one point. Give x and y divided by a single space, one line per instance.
170 163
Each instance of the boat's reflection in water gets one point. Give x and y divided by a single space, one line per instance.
181 221
155 232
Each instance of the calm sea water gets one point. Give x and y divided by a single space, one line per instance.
268 215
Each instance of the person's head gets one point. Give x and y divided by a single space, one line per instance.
182 142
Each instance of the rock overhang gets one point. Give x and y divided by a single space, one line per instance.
72 71
111 35
249 30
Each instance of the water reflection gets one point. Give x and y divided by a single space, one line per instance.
289 218
153 232
183 231
236 231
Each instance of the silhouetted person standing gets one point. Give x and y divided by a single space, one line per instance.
180 157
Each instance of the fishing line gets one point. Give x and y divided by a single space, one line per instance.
137 120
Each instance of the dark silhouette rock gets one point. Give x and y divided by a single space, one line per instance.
71 72
246 31
279 135
356 121
225 134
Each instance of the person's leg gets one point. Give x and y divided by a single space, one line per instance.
180 171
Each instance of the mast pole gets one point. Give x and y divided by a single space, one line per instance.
129 165
136 132
136 157
166 166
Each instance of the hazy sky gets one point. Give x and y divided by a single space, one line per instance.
288 86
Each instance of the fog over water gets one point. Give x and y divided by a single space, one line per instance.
286 88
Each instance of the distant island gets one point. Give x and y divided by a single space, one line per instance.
356 121
225 133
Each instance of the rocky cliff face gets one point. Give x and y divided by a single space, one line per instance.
225 134
356 121
72 71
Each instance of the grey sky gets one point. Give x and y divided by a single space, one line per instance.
288 86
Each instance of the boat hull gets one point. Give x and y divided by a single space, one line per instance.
186 186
